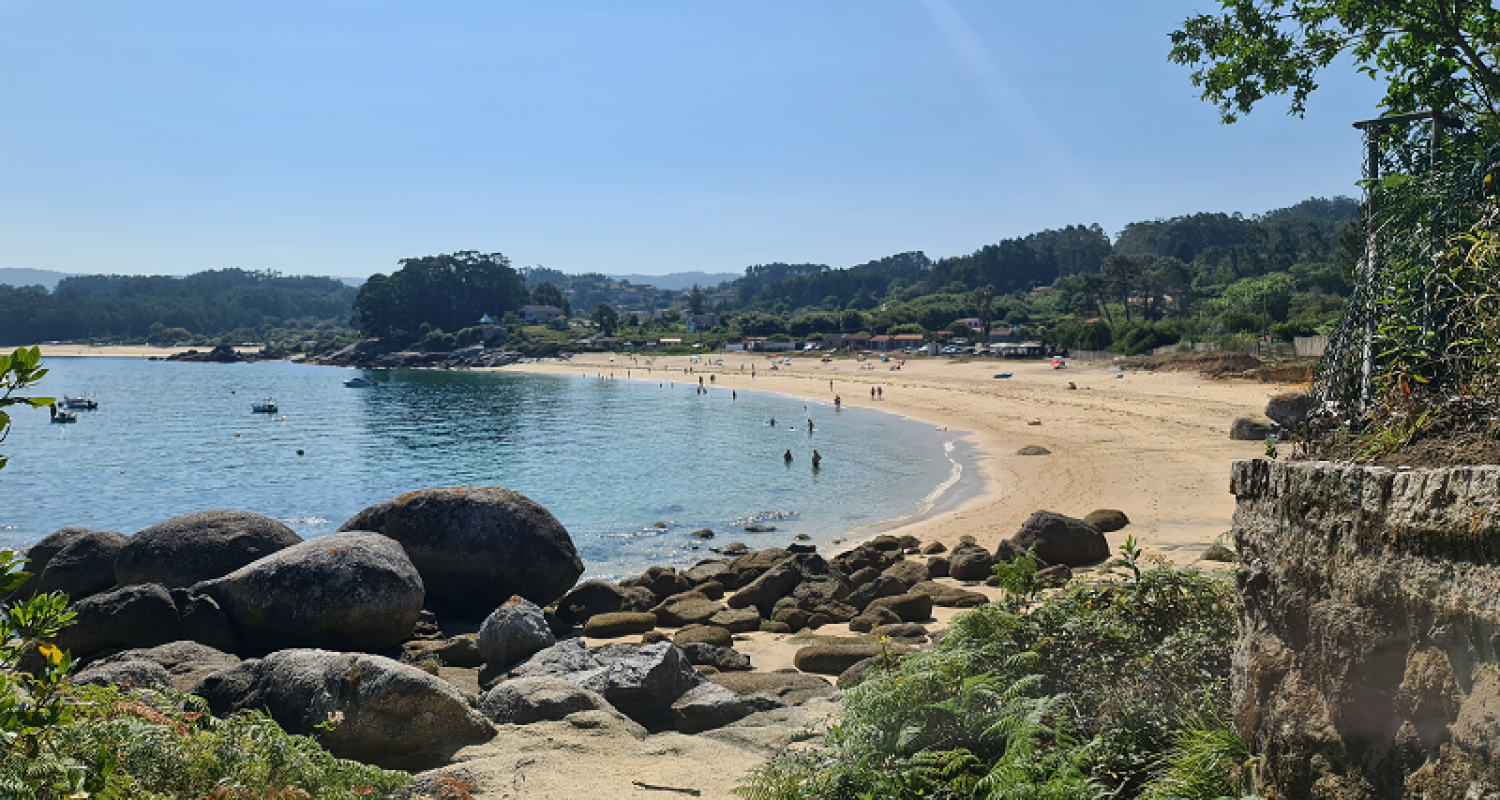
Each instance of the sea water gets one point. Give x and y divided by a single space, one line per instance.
632 468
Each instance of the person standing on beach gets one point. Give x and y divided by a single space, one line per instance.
872 392
830 385
880 392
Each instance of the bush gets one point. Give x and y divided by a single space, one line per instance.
1079 695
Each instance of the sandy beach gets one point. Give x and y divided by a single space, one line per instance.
1153 445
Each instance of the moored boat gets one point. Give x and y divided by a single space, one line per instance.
359 383
80 402
267 406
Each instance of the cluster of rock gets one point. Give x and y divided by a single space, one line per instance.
1283 412
347 628
374 354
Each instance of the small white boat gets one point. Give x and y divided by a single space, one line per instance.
85 403
359 383
267 406
65 416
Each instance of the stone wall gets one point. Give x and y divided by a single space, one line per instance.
1369 628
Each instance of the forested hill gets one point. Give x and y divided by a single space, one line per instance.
232 302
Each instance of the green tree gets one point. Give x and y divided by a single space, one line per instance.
18 371
546 293
607 318
1432 54
696 301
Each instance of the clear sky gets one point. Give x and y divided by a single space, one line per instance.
335 138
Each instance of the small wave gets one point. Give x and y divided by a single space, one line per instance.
763 516
306 521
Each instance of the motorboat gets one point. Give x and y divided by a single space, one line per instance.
359 383
84 403
267 406
64 415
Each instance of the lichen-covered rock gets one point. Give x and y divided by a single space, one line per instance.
708 634
476 546
910 573
353 590
620 623
142 615
198 547
833 659
590 598
514 631
1107 520
971 564
386 713
910 607
737 620
690 608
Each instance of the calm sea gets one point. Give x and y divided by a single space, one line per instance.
610 458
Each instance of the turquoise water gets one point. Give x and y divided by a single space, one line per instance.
609 458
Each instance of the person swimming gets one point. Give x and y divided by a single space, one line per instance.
817 459
788 457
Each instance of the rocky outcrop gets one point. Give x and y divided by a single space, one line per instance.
375 354
476 546
380 711
198 547
75 561
1368 664
351 591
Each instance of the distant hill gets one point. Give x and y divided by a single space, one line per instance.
678 281
16 276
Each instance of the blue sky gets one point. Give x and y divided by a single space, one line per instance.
335 138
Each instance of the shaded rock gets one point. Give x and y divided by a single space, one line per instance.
863 576
654 636
1107 520
706 707
82 565
1289 409
638 599
663 582
459 651
910 607
933 548
704 533
939 567
971 564
707 571
185 662
476 546
794 549
750 566
514 631
620 623
832 659
865 555
759 528
910 573
794 618
1061 540
713 590
133 673
39 554
707 634
882 586
735 549
887 542
197 547
1246 429
203 621
737 620
874 618
773 626
353 590
522 701
686 609
793 688
719 657
1055 575
835 611
1033 450
390 713
142 615
590 598
902 630
643 685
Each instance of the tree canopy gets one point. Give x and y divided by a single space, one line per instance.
1432 54
445 292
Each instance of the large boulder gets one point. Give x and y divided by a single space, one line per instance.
75 561
706 707
834 658
910 607
590 598
476 546
644 684
564 658
1289 409
1107 520
352 590
881 586
384 712
514 631
1061 540
522 701
948 596
910 573
971 564
185 663
197 547
792 687
737 620
142 615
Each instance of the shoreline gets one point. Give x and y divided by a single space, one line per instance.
1154 445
